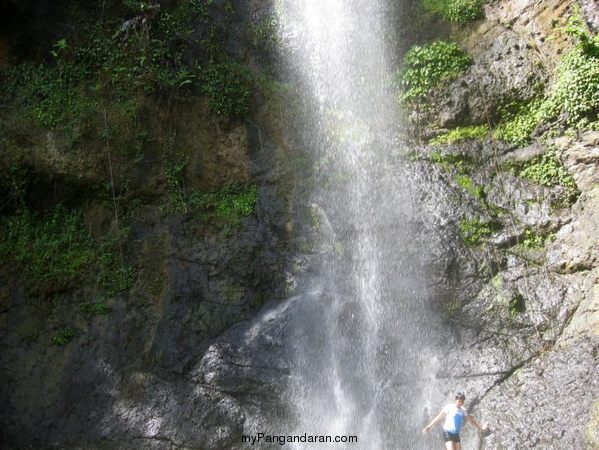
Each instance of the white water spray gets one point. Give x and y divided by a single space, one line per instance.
360 355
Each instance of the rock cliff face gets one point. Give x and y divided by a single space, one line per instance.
189 356
523 315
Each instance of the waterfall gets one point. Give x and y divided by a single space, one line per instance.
361 358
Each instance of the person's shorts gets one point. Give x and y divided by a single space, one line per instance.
450 437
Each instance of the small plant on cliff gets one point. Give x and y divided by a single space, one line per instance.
573 99
475 132
55 250
64 336
548 171
52 251
575 94
90 310
475 231
228 88
468 184
228 205
426 67
518 121
459 11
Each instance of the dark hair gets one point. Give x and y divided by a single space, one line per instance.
460 396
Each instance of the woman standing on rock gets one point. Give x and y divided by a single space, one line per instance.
454 415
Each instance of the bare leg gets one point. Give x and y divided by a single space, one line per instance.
451 445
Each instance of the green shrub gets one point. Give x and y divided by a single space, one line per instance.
575 92
475 231
94 309
534 239
475 132
64 336
426 67
56 250
459 11
573 98
52 251
228 89
548 171
228 205
468 184
518 122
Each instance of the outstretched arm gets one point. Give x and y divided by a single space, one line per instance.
473 421
434 422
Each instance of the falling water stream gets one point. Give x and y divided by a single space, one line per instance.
361 360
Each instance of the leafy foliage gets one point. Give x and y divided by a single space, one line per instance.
52 251
229 204
64 336
575 93
94 309
427 67
228 88
468 184
475 231
573 98
518 121
476 132
458 11
57 250
548 171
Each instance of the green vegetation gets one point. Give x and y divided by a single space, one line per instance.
228 205
228 88
113 274
516 305
468 184
94 309
110 64
56 250
64 336
475 132
573 98
52 251
475 231
448 161
263 34
534 240
546 170
575 92
518 121
177 199
458 11
427 67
